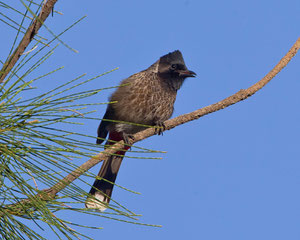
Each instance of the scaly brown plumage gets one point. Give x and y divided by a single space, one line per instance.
144 98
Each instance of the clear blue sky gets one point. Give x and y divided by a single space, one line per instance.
230 175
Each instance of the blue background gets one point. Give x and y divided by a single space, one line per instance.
233 174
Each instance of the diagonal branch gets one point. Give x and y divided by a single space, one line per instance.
241 95
27 38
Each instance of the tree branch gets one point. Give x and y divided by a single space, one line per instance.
172 123
27 38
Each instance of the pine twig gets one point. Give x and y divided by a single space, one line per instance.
27 38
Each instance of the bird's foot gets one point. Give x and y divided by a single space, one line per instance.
128 138
159 128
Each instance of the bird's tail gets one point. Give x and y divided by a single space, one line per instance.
102 188
104 184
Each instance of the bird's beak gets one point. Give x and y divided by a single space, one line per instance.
187 73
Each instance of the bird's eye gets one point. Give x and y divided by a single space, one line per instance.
174 66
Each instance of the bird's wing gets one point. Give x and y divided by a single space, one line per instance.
102 129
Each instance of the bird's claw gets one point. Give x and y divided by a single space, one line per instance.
127 138
160 128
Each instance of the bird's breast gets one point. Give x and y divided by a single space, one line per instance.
144 102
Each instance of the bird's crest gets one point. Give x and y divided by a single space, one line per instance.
175 56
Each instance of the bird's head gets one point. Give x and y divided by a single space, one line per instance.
172 67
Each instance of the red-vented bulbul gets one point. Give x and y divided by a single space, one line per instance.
144 98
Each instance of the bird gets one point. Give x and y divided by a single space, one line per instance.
144 98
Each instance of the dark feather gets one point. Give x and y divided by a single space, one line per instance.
108 171
102 129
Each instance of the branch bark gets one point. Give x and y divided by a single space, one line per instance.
27 38
241 95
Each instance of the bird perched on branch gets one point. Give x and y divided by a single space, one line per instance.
145 98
